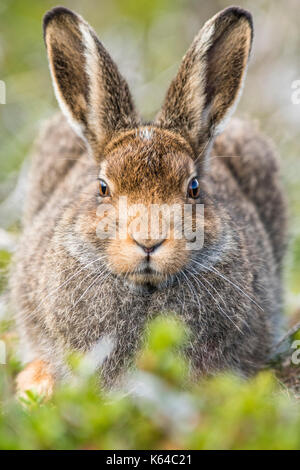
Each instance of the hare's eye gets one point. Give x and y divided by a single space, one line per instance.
103 188
194 188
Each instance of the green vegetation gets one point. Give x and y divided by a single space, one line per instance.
222 413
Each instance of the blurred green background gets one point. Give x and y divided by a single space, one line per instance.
147 38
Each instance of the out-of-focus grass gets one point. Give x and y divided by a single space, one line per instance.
4 262
147 39
295 267
222 413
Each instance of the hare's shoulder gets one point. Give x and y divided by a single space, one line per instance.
56 151
243 141
249 155
253 162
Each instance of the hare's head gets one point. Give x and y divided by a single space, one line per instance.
145 217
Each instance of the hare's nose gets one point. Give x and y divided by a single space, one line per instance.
149 248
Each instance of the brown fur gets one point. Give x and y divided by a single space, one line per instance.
66 48
36 376
71 289
210 78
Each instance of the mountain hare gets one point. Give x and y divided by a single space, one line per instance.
77 284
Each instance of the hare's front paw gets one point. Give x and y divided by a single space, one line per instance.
36 377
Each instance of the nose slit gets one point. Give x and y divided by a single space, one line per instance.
149 249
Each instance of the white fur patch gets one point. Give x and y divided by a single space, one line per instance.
204 39
76 126
146 133
93 72
99 352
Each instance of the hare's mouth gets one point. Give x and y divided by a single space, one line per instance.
146 280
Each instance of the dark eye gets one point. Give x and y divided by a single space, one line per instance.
194 188
103 188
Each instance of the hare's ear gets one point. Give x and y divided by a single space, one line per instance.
88 86
208 85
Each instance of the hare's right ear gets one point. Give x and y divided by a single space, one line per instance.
208 85
88 86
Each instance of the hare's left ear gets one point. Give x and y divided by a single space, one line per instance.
88 86
210 79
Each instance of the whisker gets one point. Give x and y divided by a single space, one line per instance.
65 283
195 293
213 269
95 279
219 295
221 309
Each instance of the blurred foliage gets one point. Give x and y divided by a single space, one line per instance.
147 39
160 412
